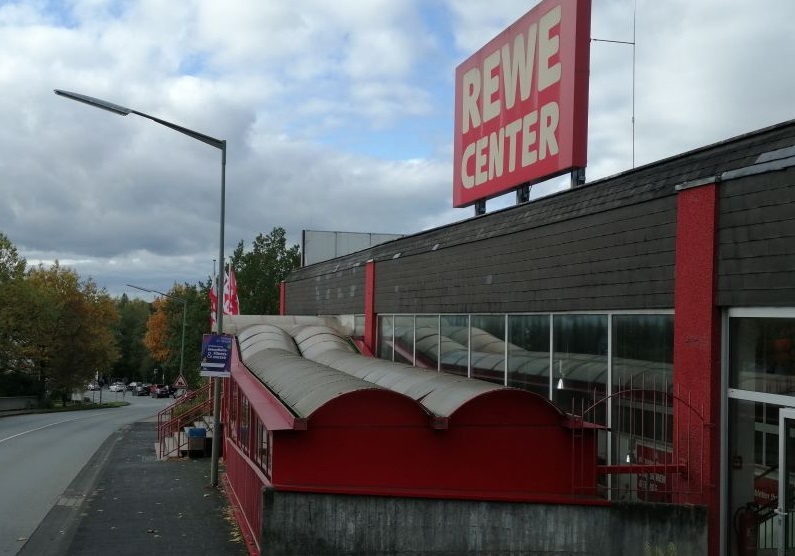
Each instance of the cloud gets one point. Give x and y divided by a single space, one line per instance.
337 115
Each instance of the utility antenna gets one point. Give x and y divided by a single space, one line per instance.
632 44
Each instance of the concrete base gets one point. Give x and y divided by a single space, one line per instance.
300 524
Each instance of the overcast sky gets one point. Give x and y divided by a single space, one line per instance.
338 115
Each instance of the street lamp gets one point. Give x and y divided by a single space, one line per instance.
218 144
184 311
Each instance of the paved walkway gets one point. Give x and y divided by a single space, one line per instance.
126 502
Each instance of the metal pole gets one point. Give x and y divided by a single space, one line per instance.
218 144
220 320
182 353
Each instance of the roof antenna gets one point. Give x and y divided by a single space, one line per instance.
632 44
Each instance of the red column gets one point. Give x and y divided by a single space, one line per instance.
697 379
370 319
282 298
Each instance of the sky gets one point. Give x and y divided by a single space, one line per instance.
338 115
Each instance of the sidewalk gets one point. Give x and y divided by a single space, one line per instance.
127 503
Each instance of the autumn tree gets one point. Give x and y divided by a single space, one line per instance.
259 271
75 321
164 335
157 331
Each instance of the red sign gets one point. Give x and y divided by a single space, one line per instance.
654 487
521 103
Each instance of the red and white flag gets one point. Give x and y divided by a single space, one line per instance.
213 302
231 302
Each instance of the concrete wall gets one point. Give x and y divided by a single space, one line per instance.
17 402
308 523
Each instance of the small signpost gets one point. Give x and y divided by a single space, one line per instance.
180 382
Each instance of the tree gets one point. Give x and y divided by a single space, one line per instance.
165 326
134 362
157 331
75 321
12 266
260 271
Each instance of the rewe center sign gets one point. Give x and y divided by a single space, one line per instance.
521 103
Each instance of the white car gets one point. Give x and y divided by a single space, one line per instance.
117 387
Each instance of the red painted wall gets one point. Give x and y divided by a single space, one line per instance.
380 442
697 346
370 317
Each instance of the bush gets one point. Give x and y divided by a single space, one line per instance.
14 383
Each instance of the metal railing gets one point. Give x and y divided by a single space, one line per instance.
652 450
185 411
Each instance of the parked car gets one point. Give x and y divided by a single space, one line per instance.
161 391
92 386
141 389
117 387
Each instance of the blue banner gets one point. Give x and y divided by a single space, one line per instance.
216 355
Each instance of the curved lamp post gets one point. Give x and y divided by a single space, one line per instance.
218 144
184 311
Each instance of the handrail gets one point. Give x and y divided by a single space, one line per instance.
170 422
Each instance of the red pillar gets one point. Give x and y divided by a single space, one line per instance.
282 298
697 350
370 319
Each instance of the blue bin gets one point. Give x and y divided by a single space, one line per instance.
197 432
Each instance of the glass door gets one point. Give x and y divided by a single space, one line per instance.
785 511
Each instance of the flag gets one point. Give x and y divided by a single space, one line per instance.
231 303
213 302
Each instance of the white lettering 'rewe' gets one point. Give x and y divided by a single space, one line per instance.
514 66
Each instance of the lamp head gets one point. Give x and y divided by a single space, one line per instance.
97 103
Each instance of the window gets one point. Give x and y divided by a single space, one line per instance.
454 348
762 354
579 365
404 339
528 353
426 350
385 338
487 338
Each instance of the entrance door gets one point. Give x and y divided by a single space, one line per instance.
786 482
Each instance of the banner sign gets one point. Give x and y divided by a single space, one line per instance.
216 355
521 103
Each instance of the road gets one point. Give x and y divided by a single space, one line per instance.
40 455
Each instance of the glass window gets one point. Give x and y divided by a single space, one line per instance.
643 352
762 354
454 345
641 404
528 353
487 339
404 339
426 348
358 327
385 330
579 365
245 416
753 468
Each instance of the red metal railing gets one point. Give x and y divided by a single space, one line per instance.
184 412
244 482
653 450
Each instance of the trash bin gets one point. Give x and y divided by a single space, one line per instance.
196 439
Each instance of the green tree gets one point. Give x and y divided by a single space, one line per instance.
258 272
77 337
12 266
134 362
